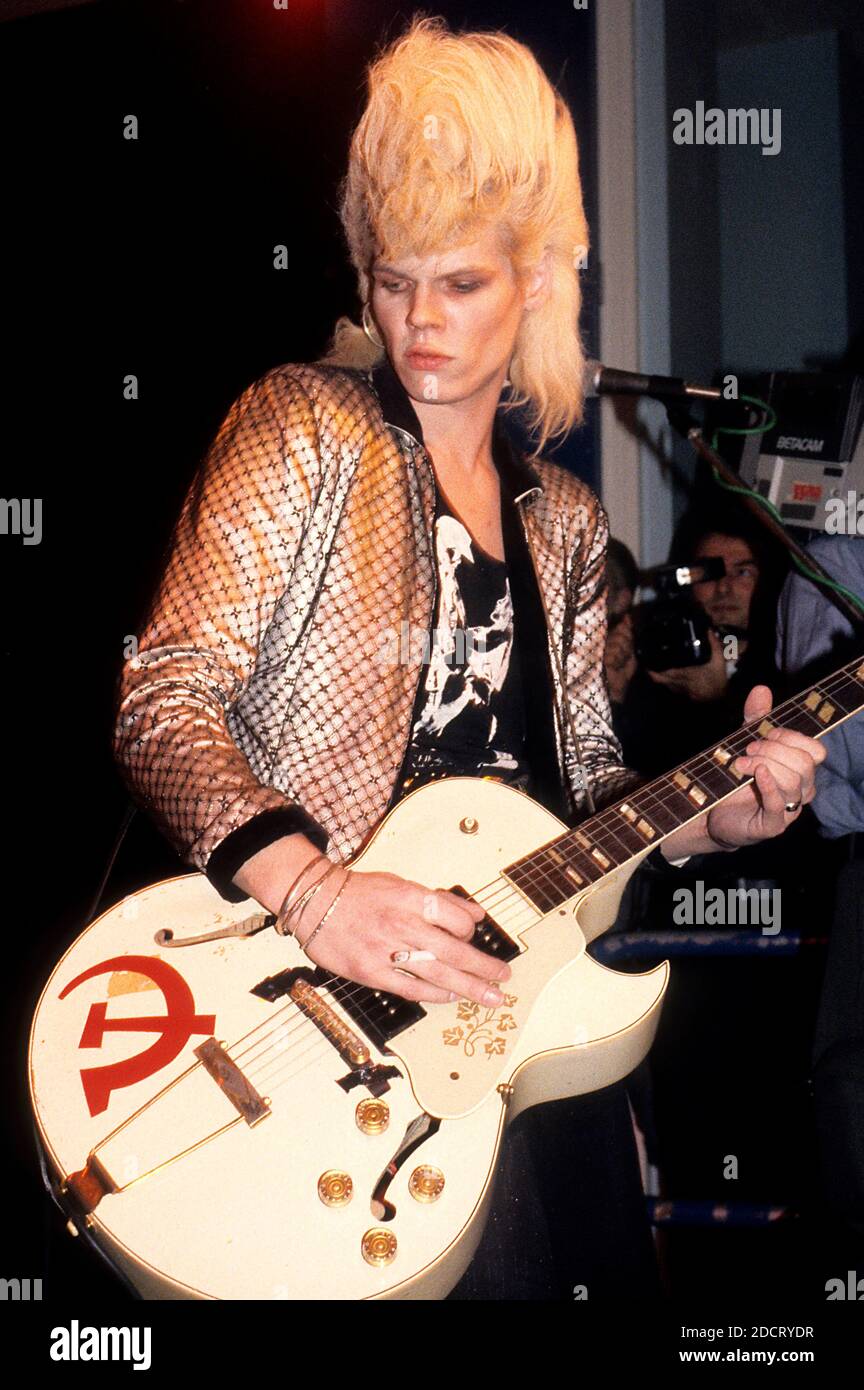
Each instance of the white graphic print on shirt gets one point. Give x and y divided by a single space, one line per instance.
484 649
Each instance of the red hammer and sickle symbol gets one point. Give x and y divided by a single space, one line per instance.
175 1027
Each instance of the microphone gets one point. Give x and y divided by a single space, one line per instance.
609 381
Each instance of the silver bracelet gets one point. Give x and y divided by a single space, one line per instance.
315 930
288 905
296 910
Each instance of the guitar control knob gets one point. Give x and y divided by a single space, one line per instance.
468 825
335 1189
426 1183
378 1247
372 1116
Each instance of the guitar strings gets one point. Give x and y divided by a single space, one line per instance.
346 991
698 765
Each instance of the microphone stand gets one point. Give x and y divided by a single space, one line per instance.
682 421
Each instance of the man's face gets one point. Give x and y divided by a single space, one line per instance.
727 600
466 304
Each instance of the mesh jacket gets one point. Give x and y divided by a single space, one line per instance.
276 672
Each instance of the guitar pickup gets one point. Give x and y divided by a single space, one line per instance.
378 1015
488 936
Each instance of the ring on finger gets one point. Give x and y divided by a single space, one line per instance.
401 957
792 806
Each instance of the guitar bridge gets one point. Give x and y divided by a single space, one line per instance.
231 1081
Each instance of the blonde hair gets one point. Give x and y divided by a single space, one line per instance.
462 132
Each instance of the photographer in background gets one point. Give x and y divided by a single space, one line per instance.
665 714
662 717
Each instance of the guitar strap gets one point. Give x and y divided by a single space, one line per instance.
125 822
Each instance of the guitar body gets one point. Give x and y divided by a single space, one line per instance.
228 1179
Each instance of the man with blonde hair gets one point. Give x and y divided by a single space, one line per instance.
270 715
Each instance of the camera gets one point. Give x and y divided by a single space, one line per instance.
672 630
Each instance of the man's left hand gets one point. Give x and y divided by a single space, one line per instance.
783 766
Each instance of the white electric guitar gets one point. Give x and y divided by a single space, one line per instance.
225 1120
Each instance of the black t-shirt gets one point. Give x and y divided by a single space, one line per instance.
468 717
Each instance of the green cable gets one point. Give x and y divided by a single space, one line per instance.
766 424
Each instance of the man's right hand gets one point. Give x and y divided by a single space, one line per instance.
378 914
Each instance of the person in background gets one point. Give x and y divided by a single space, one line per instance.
814 639
622 577
645 716
741 605
663 717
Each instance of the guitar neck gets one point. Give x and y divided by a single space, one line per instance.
553 874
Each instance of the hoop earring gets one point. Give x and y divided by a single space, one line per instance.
366 329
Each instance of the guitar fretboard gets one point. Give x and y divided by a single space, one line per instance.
550 876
